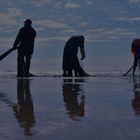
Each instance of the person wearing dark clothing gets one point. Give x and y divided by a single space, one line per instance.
135 48
25 43
70 60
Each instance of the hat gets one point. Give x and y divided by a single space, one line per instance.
28 21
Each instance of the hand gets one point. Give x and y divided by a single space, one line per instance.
14 47
82 54
82 58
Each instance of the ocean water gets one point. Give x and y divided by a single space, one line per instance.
100 58
69 108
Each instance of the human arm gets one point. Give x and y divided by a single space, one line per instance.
82 50
81 44
17 40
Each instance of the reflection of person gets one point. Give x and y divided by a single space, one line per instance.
136 100
24 111
135 48
71 93
70 59
25 43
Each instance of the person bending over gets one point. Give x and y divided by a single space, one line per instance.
70 62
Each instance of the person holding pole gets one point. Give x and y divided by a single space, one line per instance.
25 44
135 49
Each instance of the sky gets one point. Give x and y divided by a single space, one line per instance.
98 20
102 22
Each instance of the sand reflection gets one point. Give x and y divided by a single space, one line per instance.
136 99
24 111
74 98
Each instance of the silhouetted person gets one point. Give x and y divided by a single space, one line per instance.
74 106
24 111
70 58
136 99
135 48
25 43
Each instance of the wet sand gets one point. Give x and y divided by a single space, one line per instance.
57 108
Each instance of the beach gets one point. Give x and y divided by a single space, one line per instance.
57 108
103 106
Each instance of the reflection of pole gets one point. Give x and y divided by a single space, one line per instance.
73 99
125 74
24 112
6 53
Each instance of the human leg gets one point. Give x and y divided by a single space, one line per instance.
20 65
27 65
64 73
70 74
139 65
135 64
76 73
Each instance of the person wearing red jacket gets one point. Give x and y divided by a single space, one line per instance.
135 49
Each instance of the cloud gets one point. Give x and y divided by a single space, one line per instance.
60 17
60 38
6 20
71 5
89 2
52 24
55 27
36 3
130 19
105 35
12 3
13 12
56 4
134 1
6 42
39 3
9 15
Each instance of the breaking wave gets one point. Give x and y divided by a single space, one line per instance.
10 74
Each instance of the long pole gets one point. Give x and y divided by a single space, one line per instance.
6 53
125 74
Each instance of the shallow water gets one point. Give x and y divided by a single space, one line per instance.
69 108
